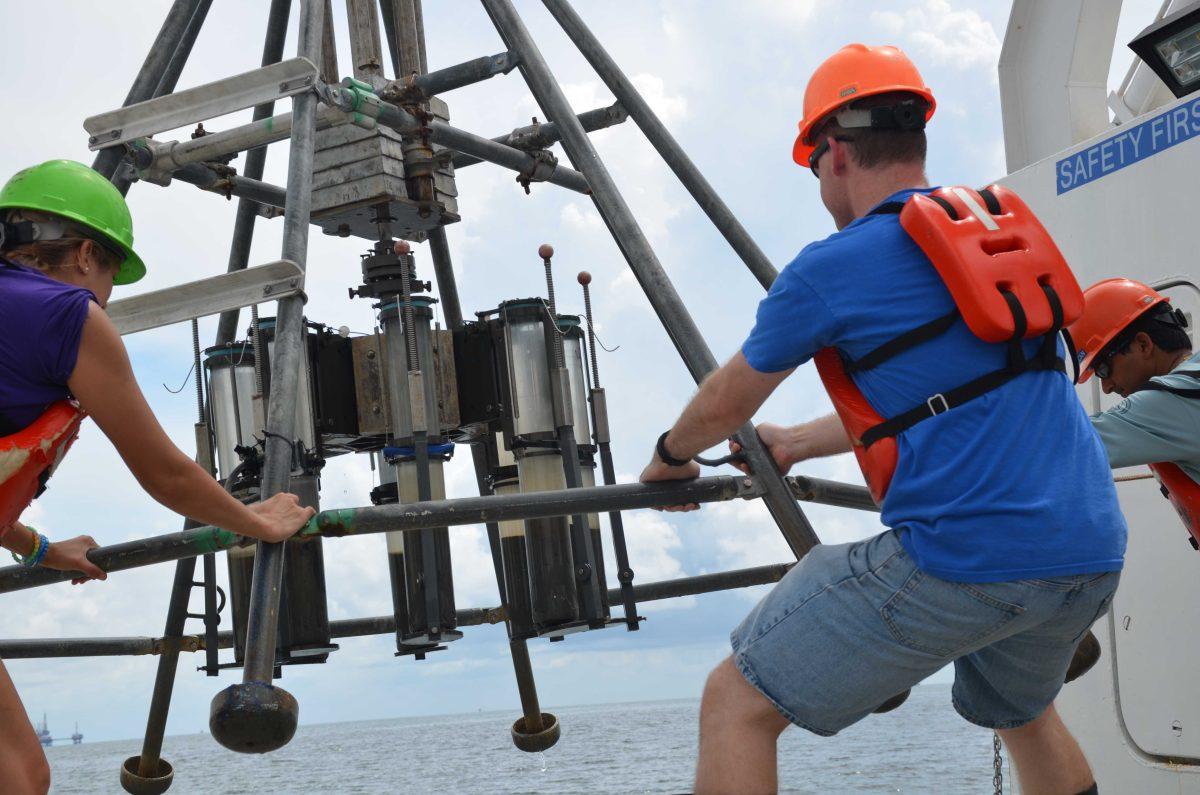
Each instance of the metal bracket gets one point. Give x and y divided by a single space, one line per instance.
204 297
184 108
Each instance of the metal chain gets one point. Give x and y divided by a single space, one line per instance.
997 765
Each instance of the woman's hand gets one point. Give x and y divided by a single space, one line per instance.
71 555
280 517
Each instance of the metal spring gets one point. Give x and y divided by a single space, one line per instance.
256 333
197 370
410 336
558 347
587 311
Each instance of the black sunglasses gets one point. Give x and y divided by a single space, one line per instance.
822 148
1102 366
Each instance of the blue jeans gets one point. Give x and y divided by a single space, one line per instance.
854 624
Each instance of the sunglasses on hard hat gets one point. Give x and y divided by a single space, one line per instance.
822 148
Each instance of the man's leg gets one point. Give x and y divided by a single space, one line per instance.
738 730
23 766
1047 758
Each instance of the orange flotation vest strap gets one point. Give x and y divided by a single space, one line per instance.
1009 283
29 456
1176 485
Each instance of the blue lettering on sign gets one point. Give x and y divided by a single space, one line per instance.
1129 146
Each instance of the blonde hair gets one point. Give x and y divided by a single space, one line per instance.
48 255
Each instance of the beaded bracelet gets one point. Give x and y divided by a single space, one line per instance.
38 554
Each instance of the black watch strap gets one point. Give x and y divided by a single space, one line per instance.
665 457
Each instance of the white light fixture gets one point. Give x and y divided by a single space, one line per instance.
1171 47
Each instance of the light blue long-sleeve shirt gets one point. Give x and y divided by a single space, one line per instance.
1150 427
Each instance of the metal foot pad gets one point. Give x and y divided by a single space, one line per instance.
253 717
136 784
532 742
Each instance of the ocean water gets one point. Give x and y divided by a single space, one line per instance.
647 747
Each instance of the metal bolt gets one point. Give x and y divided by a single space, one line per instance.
270 288
747 482
370 354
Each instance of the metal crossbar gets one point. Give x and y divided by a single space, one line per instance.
205 297
183 108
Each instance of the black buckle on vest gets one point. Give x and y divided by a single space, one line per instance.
933 402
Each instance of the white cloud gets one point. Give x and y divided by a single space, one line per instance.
943 34
669 108
792 13
581 217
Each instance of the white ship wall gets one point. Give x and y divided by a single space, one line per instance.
1137 713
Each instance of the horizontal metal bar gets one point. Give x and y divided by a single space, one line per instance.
413 516
207 296
440 132
464 74
704 583
378 625
182 108
832 492
542 136
208 179
156 161
507 156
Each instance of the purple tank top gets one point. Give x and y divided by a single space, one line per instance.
41 324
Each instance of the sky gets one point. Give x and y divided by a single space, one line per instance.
727 79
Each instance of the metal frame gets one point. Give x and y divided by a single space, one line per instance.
256 715
270 282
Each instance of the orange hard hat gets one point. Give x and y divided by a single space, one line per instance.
1109 307
851 73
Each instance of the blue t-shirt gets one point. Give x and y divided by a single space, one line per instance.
1012 485
41 325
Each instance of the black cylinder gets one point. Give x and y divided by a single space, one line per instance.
553 596
421 628
387 493
303 608
514 555
587 476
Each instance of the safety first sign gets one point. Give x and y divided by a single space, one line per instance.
1127 147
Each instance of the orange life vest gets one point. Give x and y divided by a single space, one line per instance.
29 456
1009 283
1177 486
1184 494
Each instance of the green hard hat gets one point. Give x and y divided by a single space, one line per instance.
74 191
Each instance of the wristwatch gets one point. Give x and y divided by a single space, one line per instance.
664 456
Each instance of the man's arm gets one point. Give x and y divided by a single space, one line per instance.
790 445
1148 428
726 401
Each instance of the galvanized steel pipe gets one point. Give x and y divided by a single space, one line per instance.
796 529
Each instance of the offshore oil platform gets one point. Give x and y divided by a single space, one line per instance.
373 159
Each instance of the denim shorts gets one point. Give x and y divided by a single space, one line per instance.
852 625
